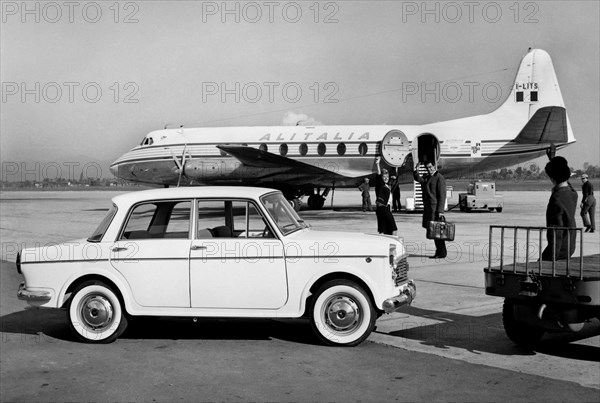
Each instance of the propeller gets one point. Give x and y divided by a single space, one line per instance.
181 163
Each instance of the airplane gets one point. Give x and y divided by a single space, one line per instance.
302 160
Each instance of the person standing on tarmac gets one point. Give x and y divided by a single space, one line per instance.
383 191
433 187
560 212
365 190
588 204
396 205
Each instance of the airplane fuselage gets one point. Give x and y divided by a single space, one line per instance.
348 152
298 159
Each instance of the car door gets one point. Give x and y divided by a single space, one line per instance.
152 253
236 262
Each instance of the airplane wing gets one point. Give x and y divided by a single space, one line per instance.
253 157
547 125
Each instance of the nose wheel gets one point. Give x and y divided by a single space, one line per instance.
316 202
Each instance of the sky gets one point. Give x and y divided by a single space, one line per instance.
83 82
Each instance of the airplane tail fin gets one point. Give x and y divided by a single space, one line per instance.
535 98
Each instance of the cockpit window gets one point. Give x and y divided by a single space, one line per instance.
147 141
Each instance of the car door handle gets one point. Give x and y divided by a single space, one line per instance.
198 247
119 248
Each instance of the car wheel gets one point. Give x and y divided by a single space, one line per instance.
341 314
521 333
96 314
499 209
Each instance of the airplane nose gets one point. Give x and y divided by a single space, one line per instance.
114 169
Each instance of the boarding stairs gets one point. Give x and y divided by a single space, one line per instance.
417 191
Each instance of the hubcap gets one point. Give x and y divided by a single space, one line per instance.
342 313
96 311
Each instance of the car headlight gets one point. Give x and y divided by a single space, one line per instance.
393 261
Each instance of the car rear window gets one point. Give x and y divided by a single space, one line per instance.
101 229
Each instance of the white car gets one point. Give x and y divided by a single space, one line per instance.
217 252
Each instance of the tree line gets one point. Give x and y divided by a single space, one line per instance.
532 172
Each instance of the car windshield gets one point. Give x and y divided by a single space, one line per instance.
99 232
282 213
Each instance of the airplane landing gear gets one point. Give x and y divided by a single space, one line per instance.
296 203
316 201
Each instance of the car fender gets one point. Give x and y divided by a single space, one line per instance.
343 271
116 278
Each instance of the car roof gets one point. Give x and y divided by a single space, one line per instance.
192 192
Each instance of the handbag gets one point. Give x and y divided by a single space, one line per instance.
442 230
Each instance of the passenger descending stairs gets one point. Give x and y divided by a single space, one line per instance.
418 192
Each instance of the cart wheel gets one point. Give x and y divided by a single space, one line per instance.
521 333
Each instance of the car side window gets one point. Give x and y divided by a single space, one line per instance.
248 222
178 224
211 220
155 220
230 219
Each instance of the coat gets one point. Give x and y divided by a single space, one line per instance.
434 195
560 212
386 224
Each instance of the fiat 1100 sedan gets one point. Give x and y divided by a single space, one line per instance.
227 252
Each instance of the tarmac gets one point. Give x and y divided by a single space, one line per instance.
451 316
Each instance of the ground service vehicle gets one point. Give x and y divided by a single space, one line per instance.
217 252
480 195
540 296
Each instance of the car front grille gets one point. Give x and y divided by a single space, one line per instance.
401 271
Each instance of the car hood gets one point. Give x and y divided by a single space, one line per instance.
343 243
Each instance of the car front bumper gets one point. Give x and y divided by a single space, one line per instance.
406 296
33 295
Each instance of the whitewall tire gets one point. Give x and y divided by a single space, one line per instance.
96 314
341 313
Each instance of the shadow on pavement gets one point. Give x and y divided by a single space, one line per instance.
54 323
486 334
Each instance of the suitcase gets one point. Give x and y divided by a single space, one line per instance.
441 230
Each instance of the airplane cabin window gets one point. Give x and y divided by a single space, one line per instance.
263 147
363 149
303 149
283 149
341 149
321 149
